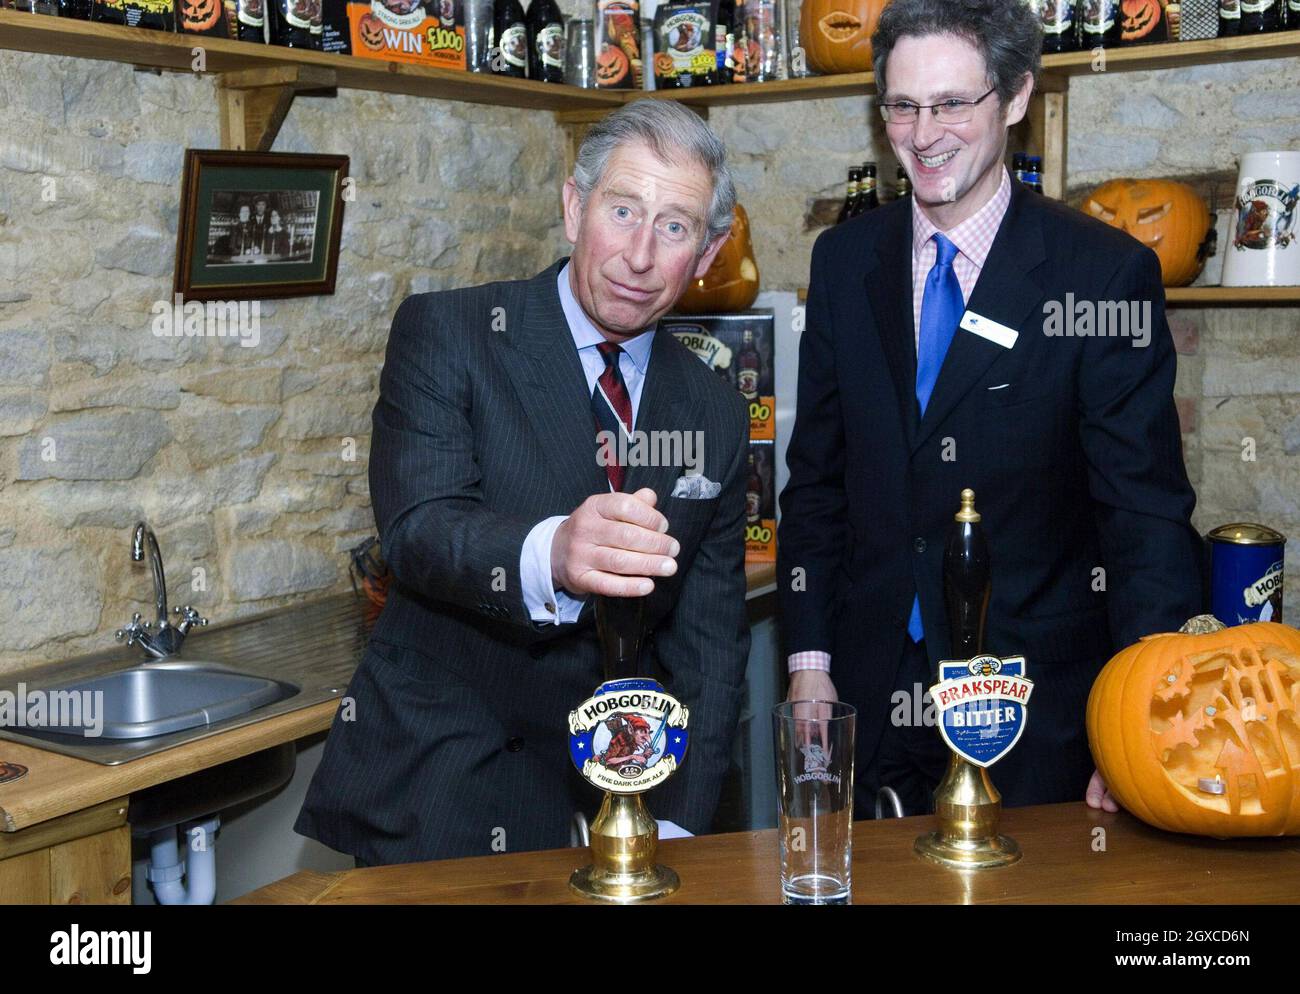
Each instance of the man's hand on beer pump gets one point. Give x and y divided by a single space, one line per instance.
613 544
1098 796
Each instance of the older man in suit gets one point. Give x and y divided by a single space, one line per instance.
501 517
937 357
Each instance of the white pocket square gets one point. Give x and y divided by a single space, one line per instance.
696 488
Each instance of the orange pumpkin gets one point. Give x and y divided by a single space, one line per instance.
1197 731
611 67
199 15
731 282
1143 20
371 30
1162 214
836 34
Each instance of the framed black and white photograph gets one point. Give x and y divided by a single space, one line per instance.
259 224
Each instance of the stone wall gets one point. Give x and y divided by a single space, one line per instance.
240 457
250 463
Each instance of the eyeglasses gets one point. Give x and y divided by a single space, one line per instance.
951 111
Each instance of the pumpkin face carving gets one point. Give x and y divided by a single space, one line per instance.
1143 20
371 30
836 34
1163 215
1198 731
731 282
611 67
199 15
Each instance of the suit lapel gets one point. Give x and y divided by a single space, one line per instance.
548 376
665 406
1004 294
889 291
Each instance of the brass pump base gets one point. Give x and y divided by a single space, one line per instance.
969 808
624 841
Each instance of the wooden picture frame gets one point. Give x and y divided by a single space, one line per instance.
259 225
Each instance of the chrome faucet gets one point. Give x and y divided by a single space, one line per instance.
166 640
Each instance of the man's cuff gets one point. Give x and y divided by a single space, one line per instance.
798 661
545 604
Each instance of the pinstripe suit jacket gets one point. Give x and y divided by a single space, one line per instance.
459 744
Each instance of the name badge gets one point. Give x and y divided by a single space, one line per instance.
994 332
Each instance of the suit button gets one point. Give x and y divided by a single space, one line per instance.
918 544
514 745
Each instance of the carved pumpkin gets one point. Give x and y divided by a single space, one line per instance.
371 30
611 67
199 15
731 282
1162 214
1197 731
836 34
1143 20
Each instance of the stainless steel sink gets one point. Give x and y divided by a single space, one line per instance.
308 651
161 697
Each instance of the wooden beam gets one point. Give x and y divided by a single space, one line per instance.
255 102
1044 132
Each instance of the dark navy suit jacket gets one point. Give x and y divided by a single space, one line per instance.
1070 443
483 428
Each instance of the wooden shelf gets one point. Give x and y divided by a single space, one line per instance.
25 32
1232 296
1176 54
158 50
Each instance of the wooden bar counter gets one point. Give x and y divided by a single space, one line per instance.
1061 865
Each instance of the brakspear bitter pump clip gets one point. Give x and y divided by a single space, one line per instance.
981 701
629 736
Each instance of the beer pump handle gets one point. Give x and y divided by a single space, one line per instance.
619 622
966 583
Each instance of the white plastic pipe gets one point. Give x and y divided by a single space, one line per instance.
198 867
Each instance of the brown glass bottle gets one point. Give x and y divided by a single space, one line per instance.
1260 16
250 16
849 207
753 494
509 39
291 23
748 367
903 186
868 198
1100 23
545 41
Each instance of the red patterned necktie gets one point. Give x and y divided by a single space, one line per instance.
612 408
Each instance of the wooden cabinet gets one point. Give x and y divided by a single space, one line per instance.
81 858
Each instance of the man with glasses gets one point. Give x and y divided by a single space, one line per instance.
931 362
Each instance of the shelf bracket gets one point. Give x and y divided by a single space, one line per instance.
254 102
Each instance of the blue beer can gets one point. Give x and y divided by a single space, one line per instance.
1246 573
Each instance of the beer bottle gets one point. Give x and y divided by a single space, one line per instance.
545 41
290 23
904 187
1018 167
1034 173
510 39
1259 16
850 204
753 494
868 198
80 9
1229 18
1059 33
1291 15
748 366
250 20
317 24
1099 24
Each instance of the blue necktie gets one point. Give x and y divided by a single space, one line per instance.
941 309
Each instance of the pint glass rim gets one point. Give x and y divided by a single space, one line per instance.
785 710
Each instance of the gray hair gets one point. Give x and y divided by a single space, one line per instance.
673 133
1007 33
